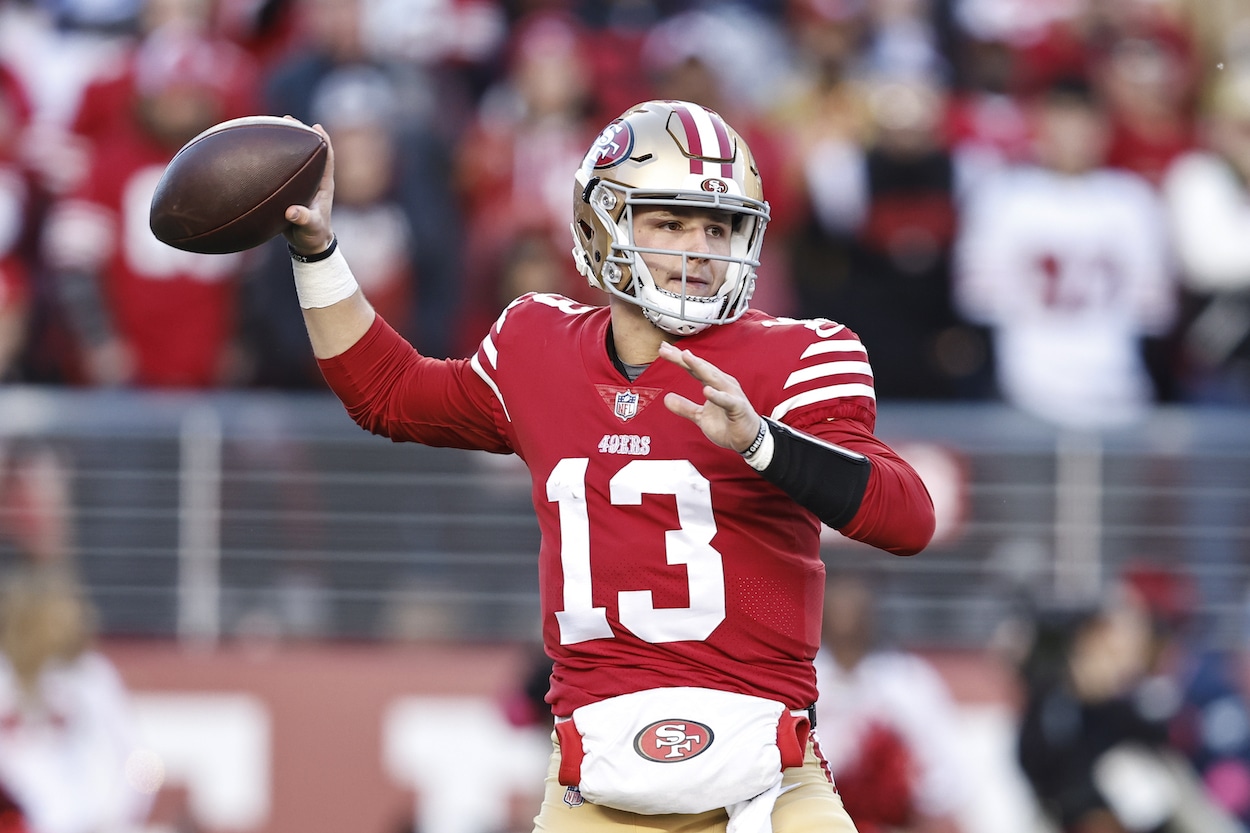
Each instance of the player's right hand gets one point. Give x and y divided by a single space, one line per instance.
726 416
310 231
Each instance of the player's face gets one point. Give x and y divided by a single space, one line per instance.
696 231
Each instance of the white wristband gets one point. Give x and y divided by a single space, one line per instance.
323 282
762 456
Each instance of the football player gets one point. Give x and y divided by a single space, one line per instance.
685 451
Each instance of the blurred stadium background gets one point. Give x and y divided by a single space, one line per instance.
323 631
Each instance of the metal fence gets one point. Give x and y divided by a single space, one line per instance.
208 516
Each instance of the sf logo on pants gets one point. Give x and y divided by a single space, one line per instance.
672 740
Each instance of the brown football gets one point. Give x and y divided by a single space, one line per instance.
228 189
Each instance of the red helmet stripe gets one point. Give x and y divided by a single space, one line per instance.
692 138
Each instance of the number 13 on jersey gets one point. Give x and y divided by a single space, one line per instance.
690 544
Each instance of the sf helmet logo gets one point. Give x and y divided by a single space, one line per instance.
715 186
613 145
667 741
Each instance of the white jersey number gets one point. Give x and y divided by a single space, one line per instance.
689 544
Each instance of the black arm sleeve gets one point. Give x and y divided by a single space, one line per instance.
821 477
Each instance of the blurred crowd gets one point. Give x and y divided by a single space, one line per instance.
1046 203
1124 721
70 747
1128 720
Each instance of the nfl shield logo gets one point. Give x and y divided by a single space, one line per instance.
573 797
626 405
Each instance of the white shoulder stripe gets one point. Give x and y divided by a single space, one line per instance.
822 395
839 346
492 353
806 374
481 371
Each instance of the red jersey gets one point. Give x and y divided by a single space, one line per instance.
175 309
665 559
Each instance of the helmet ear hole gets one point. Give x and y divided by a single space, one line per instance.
588 232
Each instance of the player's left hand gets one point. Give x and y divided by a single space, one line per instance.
726 417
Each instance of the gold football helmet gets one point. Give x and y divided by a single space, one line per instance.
669 153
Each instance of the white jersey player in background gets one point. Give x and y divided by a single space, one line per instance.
1068 263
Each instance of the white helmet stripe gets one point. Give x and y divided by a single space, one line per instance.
726 147
705 130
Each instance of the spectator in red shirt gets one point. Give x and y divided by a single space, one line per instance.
1147 81
139 312
530 130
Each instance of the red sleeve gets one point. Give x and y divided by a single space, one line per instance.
896 513
390 389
